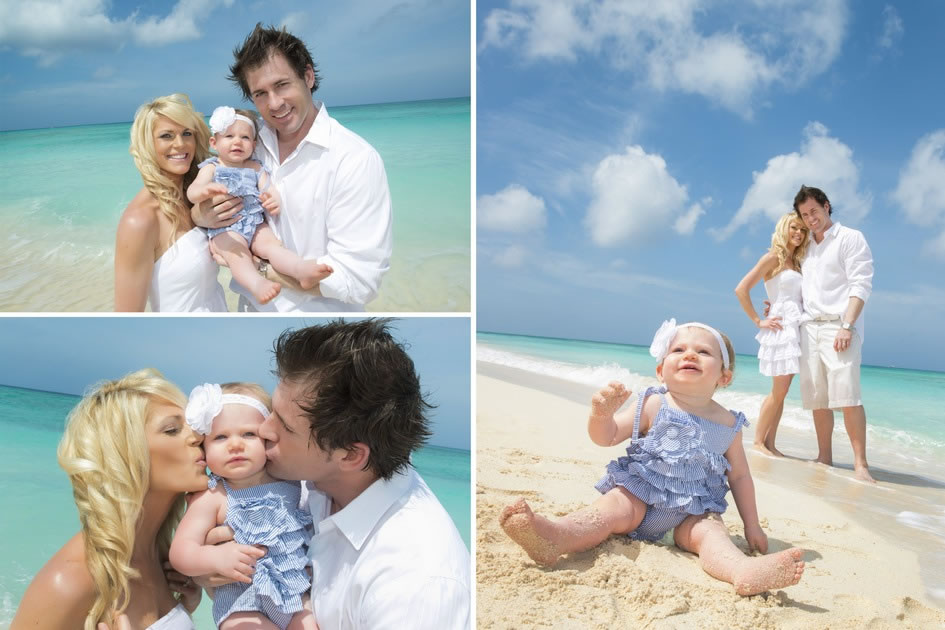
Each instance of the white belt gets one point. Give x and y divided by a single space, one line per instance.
826 318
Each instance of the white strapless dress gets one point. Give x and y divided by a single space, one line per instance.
185 278
780 350
177 619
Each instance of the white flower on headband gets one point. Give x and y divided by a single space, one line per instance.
205 404
661 340
222 118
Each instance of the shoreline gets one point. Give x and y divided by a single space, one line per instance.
531 442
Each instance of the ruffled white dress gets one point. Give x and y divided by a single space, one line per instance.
780 350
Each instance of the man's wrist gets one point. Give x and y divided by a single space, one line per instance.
847 326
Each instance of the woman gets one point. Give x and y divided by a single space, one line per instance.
130 456
160 256
780 350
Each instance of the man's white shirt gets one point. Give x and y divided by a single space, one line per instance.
834 270
392 558
336 209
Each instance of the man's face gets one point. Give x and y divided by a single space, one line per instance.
290 449
815 216
282 97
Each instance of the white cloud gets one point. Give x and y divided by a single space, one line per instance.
824 162
920 192
633 195
511 256
686 224
892 28
512 209
664 45
49 30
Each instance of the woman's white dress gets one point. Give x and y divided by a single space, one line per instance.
177 619
780 350
184 279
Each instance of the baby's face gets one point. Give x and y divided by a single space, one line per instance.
233 448
235 145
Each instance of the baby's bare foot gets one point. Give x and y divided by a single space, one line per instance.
265 290
310 273
607 401
763 573
522 525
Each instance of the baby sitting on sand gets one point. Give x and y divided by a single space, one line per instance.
685 452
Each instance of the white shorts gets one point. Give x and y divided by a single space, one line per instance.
829 379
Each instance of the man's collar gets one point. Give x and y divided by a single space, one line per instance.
358 519
319 134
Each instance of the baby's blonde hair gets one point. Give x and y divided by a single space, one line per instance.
104 450
779 241
178 108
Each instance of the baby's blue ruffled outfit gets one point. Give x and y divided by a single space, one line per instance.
268 515
240 182
678 468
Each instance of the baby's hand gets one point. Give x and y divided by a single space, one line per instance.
237 562
757 539
269 202
608 400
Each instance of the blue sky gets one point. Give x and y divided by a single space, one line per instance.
633 157
69 354
94 61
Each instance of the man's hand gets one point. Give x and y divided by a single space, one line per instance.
218 211
180 583
843 340
121 623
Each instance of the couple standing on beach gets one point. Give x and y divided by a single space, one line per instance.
335 202
817 288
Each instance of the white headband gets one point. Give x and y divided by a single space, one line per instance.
224 116
664 336
206 402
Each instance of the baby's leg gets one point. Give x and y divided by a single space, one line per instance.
307 272
304 619
545 541
247 621
707 537
233 248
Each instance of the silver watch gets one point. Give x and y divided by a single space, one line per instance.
262 267
847 326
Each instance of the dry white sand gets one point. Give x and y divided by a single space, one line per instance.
534 444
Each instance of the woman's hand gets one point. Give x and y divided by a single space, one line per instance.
756 537
771 323
189 591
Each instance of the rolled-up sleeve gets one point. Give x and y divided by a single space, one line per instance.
858 264
359 230
430 603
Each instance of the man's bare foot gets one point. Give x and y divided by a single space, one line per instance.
523 526
606 402
309 273
758 574
767 450
264 290
826 461
862 472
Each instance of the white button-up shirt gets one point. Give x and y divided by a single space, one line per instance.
834 270
336 209
392 558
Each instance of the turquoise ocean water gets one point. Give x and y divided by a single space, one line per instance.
39 514
65 188
905 431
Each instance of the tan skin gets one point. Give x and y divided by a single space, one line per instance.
175 455
144 233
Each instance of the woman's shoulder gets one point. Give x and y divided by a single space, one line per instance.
142 211
62 591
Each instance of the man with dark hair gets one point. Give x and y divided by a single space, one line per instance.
837 279
346 416
336 202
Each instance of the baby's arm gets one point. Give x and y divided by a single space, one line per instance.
605 425
203 186
191 556
269 198
743 491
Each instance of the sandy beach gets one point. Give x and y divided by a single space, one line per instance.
532 442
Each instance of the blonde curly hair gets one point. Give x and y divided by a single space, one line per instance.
779 241
178 108
105 453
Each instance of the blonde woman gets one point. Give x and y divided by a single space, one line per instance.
160 256
130 456
779 352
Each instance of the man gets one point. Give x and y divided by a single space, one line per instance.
837 281
347 414
336 202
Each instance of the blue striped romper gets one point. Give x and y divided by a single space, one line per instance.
678 468
269 515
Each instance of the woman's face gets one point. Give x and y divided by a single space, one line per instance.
174 146
797 233
177 459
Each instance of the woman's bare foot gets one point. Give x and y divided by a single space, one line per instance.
526 528
264 290
863 473
757 574
309 273
767 450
